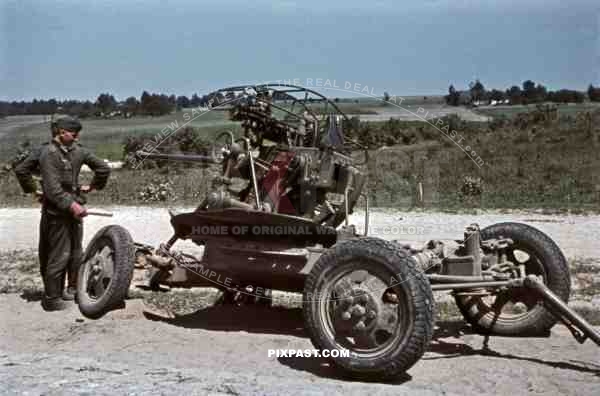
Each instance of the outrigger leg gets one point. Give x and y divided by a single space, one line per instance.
580 329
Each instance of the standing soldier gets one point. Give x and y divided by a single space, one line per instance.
61 227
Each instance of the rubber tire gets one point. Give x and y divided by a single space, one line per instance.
124 261
538 321
415 285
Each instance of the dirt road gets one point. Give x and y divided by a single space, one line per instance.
19 226
421 113
223 350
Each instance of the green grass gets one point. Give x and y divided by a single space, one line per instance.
555 169
103 135
512 111
111 150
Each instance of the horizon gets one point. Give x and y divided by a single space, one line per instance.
341 94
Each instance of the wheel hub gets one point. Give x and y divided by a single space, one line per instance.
357 312
100 272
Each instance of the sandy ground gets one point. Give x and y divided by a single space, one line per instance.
576 235
224 351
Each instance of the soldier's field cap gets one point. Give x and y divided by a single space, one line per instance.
68 123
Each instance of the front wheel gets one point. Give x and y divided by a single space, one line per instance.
365 298
519 311
106 271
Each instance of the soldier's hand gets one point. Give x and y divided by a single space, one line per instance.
78 210
38 195
86 188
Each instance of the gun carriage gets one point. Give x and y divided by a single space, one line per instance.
288 230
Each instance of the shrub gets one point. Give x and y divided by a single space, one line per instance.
157 191
187 141
471 187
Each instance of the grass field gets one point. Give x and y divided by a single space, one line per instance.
106 136
571 109
539 165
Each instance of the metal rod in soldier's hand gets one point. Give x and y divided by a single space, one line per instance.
95 212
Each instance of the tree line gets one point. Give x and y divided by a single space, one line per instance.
150 104
528 93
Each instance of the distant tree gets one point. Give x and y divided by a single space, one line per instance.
88 108
566 96
477 91
453 97
144 98
172 100
146 103
166 104
4 109
195 101
51 106
183 102
529 92
514 94
541 93
160 104
157 105
528 86
106 103
131 106
593 93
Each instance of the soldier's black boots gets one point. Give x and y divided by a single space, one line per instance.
54 304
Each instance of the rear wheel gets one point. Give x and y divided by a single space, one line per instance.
519 311
106 272
366 297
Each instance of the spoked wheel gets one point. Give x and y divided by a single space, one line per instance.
99 272
365 296
519 311
364 320
106 272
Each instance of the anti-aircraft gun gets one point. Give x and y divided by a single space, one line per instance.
294 156
368 299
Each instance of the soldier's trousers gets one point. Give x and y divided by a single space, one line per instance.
60 252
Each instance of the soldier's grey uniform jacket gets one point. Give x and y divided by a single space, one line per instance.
29 166
60 250
59 169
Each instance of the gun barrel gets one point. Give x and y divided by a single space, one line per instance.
177 157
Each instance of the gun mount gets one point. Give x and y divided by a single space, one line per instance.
293 154
366 295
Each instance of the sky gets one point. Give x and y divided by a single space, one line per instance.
78 49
